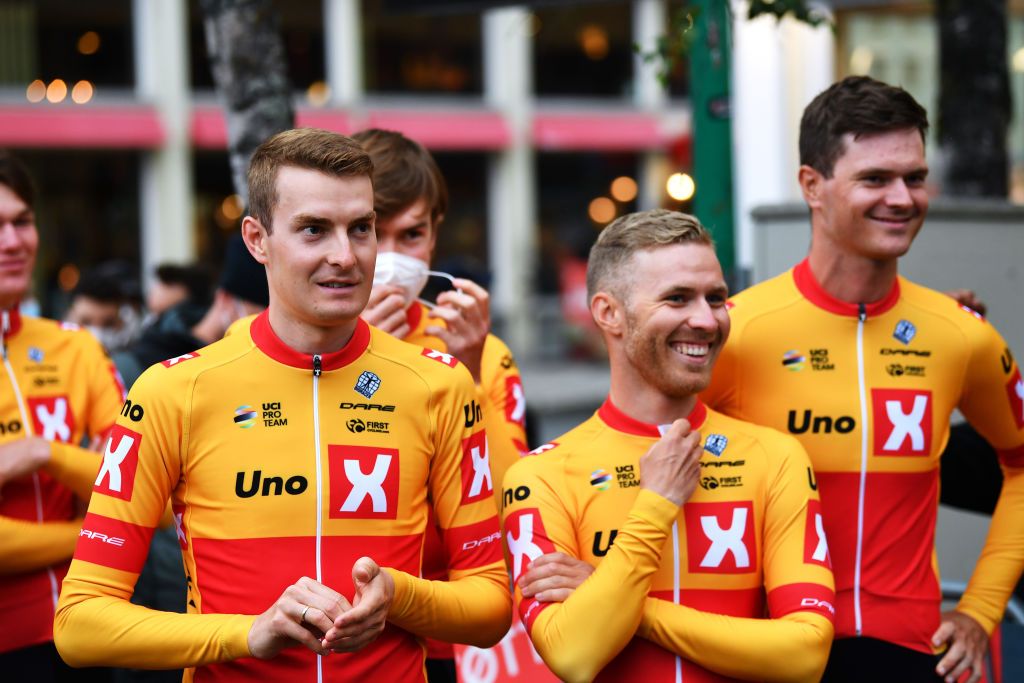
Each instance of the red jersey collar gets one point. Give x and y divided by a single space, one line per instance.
269 343
619 421
413 316
15 321
813 292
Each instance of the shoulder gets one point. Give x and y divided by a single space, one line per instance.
765 298
437 369
774 444
183 369
973 325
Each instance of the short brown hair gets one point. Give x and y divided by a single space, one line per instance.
859 105
403 172
312 148
635 232
14 174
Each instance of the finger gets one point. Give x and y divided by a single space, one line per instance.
300 634
959 669
943 633
446 313
472 289
977 669
951 659
555 595
355 643
363 571
555 583
326 603
679 429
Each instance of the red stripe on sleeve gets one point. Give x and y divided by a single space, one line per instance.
530 609
112 543
1012 457
473 545
802 597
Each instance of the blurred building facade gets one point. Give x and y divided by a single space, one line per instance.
547 122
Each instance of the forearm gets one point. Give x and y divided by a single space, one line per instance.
1002 559
92 611
74 467
793 648
25 546
474 609
578 637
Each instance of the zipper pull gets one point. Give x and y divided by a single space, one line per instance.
317 367
862 312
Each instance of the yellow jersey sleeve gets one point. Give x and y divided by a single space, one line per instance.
578 637
474 605
503 401
993 402
25 545
142 463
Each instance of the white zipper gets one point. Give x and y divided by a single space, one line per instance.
319 488
675 569
861 317
27 426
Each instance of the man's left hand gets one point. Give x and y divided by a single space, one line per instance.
553 577
467 316
360 626
967 645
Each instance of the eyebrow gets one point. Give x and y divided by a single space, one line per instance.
311 219
920 170
722 289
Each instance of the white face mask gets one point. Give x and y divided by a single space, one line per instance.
405 272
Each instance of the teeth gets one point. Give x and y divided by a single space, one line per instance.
335 285
691 349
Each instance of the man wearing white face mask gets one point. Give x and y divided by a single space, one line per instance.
410 198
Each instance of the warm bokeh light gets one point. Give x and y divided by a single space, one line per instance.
601 210
624 189
232 207
82 92
89 43
56 91
318 94
1018 61
860 60
680 187
36 91
594 42
68 276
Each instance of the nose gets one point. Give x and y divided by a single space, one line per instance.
340 252
8 235
899 194
702 316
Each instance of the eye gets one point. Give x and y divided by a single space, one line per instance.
363 228
915 180
24 221
717 300
413 235
312 230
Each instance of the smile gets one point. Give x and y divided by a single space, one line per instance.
694 350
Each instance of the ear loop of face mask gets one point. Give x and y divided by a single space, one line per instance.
446 276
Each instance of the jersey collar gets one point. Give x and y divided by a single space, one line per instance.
619 421
813 292
269 343
13 321
414 316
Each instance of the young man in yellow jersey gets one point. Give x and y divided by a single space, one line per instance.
704 532
302 457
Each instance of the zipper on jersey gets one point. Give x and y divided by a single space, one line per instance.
317 371
5 324
862 316
675 568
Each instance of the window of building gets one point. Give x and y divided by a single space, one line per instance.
48 47
583 50
421 52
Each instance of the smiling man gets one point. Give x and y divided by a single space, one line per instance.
705 531
300 456
865 367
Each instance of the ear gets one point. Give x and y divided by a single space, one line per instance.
608 314
811 185
255 235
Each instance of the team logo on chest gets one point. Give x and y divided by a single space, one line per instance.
52 418
720 537
904 331
367 384
364 482
902 421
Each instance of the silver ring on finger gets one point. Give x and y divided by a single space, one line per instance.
302 619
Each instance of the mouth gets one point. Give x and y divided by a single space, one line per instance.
337 284
695 351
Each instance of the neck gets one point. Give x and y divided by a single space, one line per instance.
639 400
851 278
309 338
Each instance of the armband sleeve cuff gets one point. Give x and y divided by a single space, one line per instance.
403 593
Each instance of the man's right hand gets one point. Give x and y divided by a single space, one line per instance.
302 615
385 310
671 467
22 457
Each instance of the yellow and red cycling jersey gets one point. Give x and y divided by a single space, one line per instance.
503 407
60 386
734 584
280 465
868 390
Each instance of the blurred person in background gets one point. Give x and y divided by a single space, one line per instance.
105 301
175 284
59 390
410 197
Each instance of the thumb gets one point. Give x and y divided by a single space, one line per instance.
363 571
944 633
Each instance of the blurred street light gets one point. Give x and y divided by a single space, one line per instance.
680 187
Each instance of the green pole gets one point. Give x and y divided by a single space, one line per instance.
710 90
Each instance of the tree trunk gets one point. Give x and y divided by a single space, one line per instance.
974 97
247 58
